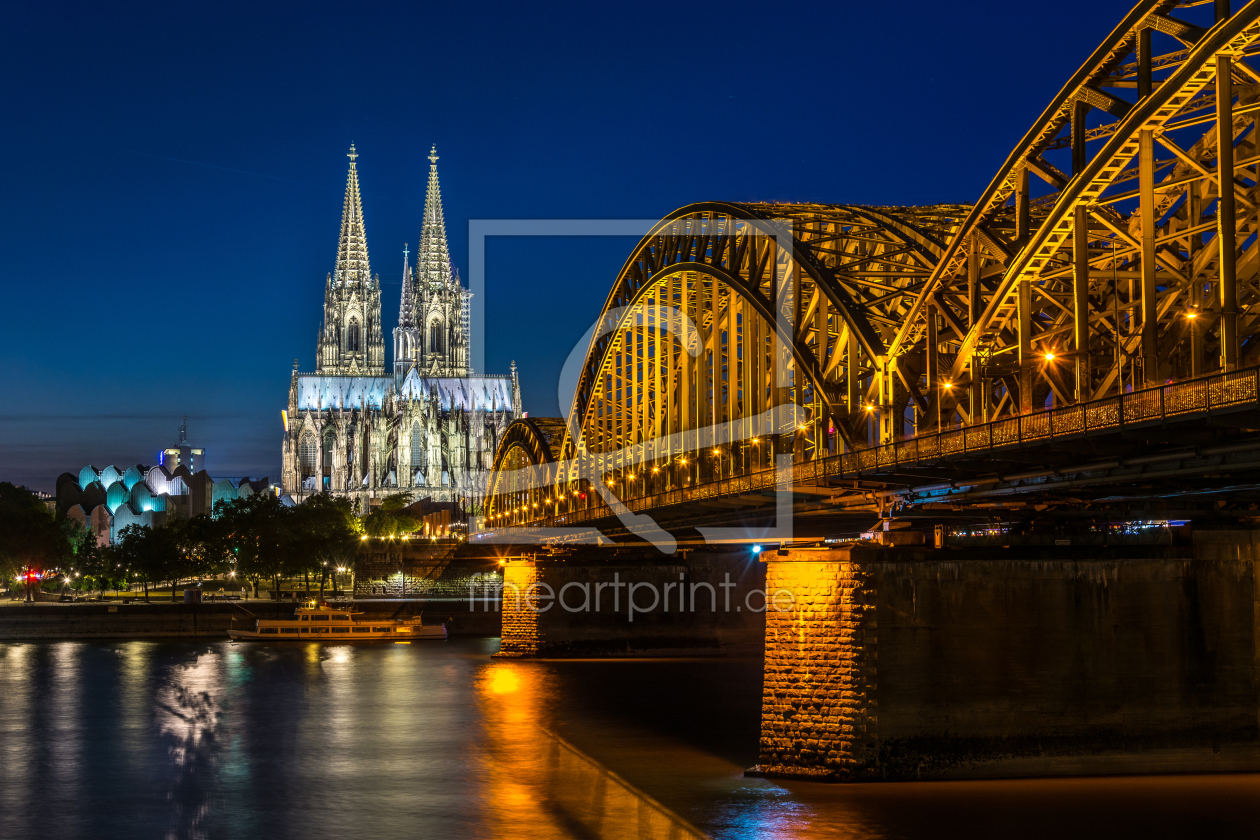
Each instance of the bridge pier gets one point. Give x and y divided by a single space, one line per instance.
909 663
604 602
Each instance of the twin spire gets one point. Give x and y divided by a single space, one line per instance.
433 259
352 253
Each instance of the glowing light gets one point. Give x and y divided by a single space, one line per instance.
756 549
503 681
870 408
947 386
756 440
364 538
656 469
1192 315
1049 355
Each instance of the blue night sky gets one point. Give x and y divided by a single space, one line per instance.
175 174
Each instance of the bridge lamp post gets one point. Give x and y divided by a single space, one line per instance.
945 386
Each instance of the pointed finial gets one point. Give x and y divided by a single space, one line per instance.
353 154
433 157
406 253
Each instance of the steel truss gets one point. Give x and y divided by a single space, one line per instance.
1101 258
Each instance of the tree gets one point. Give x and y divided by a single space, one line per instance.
31 541
257 532
137 553
392 519
326 533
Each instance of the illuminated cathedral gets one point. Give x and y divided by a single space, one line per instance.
429 427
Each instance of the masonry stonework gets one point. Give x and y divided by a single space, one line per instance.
819 712
904 663
519 635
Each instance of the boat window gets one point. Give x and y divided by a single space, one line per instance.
268 629
380 629
340 629
362 629
319 618
288 629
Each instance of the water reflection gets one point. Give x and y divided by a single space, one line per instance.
182 740
186 711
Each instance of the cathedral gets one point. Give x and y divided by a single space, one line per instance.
429 427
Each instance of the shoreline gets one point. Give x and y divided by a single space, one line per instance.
56 622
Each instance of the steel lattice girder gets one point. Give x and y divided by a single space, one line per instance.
1134 261
848 275
893 305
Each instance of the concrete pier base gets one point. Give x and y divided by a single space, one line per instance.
900 663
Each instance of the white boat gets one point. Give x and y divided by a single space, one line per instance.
322 623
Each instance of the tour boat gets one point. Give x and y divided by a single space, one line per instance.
322 623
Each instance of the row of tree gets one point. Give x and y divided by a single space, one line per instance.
255 539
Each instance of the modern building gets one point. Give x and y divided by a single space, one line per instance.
430 426
183 455
108 499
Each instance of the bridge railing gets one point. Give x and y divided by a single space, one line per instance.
1229 390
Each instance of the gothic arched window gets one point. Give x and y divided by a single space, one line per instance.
417 447
306 455
352 337
330 442
435 337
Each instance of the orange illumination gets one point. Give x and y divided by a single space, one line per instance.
947 386
870 408
1192 315
1049 355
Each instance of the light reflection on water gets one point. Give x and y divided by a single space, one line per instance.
183 740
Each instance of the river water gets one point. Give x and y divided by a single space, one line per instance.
196 740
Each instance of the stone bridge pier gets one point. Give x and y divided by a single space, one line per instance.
908 662
899 663
599 602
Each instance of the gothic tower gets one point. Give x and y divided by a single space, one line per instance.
436 337
350 341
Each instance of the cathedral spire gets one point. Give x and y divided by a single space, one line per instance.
351 341
433 259
352 253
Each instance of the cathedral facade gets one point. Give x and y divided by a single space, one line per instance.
427 428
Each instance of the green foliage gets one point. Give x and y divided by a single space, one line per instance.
256 530
149 555
392 519
29 535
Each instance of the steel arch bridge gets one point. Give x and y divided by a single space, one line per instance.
1102 259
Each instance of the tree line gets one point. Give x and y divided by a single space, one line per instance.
257 539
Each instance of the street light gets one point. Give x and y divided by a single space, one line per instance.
939 399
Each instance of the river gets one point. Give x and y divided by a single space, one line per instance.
196 740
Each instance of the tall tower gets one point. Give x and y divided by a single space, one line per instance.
438 338
351 341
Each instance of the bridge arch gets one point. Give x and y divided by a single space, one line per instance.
787 307
1119 266
1110 269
